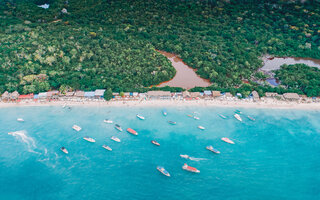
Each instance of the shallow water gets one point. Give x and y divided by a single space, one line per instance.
275 157
274 63
185 77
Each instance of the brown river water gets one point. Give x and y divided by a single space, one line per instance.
274 63
185 77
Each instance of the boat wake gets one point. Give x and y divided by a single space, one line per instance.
29 141
196 159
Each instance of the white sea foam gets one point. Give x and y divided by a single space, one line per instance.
29 141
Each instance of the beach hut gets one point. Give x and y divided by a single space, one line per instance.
70 94
195 95
42 95
186 94
291 96
26 96
53 94
14 95
271 94
207 93
89 94
228 95
36 97
99 93
159 94
255 95
79 94
135 94
5 96
216 93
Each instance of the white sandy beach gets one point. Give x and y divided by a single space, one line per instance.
263 104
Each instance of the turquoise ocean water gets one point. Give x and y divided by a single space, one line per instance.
275 157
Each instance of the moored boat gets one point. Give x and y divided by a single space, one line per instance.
89 139
196 118
190 169
140 117
222 116
133 132
64 150
118 127
163 171
251 118
164 112
201 127
106 147
237 117
20 120
210 148
184 156
190 116
115 139
155 142
238 111
172 122
227 140
108 121
76 127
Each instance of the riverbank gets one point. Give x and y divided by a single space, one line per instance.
270 104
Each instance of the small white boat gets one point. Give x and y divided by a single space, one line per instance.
251 118
118 127
20 120
237 117
227 140
184 156
106 147
190 169
89 139
164 112
115 139
64 150
196 118
172 122
108 121
210 148
140 117
201 127
222 116
76 127
163 171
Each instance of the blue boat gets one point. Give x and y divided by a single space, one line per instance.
163 171
210 148
172 122
164 112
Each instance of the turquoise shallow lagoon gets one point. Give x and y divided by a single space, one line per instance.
275 157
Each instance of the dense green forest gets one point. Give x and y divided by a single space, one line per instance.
300 76
111 43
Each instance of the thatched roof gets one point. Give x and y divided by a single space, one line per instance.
14 95
228 94
216 93
195 94
291 96
5 95
186 94
158 93
79 93
255 95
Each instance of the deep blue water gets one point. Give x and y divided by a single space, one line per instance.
275 157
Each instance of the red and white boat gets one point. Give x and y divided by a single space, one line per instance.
227 140
133 132
190 169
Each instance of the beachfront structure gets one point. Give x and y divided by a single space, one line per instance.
79 94
186 94
70 94
99 93
89 94
5 96
26 97
53 94
216 93
228 95
291 96
255 95
195 95
207 93
14 95
271 94
159 94
42 95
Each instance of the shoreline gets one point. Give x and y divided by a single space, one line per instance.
274 104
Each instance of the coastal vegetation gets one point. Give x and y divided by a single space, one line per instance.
111 44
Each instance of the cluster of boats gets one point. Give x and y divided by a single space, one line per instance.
161 169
